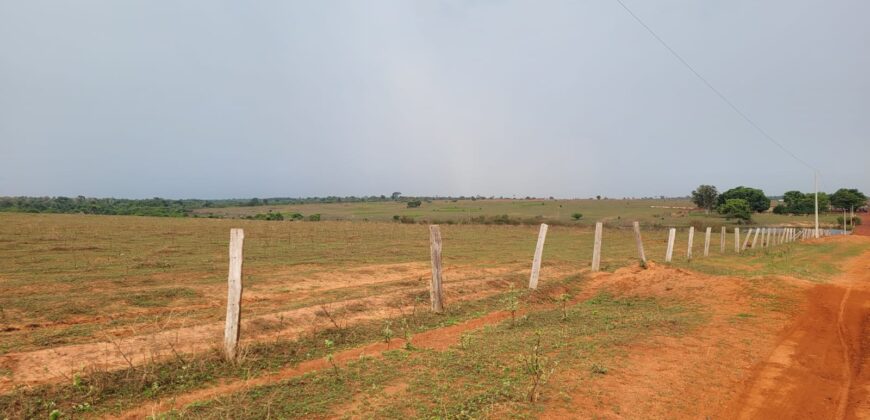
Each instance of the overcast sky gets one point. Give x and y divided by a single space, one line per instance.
211 99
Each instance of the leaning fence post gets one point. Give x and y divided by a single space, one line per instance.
539 252
672 234
755 238
707 242
234 295
746 241
639 242
435 284
596 251
691 240
737 240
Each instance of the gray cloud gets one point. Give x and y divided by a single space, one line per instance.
218 99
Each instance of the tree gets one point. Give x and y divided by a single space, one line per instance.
395 195
736 208
705 197
756 199
848 198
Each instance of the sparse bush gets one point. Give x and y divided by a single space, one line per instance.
314 217
414 204
407 220
577 216
736 208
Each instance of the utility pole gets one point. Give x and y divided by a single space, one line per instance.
816 184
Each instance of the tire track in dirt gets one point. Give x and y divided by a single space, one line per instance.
815 370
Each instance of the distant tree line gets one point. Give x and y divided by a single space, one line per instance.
740 202
184 207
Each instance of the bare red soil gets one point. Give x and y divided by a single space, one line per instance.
821 367
864 228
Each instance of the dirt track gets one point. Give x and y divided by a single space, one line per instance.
821 368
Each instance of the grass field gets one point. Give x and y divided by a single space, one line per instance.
80 280
664 212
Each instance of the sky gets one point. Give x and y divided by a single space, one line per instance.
219 99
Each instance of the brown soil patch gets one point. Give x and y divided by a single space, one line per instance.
438 339
819 369
119 350
864 228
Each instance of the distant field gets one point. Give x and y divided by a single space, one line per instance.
664 212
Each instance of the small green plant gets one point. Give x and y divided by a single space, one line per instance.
406 329
537 366
577 216
598 369
387 332
330 357
563 299
465 341
54 415
511 302
314 217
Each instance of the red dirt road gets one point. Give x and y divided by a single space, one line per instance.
821 367
864 227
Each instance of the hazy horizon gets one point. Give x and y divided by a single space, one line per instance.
209 99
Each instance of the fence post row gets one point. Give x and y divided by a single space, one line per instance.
435 291
539 253
596 251
639 242
234 295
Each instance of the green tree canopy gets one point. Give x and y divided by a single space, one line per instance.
754 197
797 202
848 198
736 208
705 197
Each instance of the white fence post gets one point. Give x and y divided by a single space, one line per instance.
707 242
639 242
234 295
722 240
672 234
691 240
737 240
435 290
596 251
539 254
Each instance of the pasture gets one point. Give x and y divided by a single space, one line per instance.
615 212
122 316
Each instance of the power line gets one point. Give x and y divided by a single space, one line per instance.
716 91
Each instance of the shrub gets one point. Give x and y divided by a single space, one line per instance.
780 209
415 203
755 198
297 216
577 216
314 217
736 208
